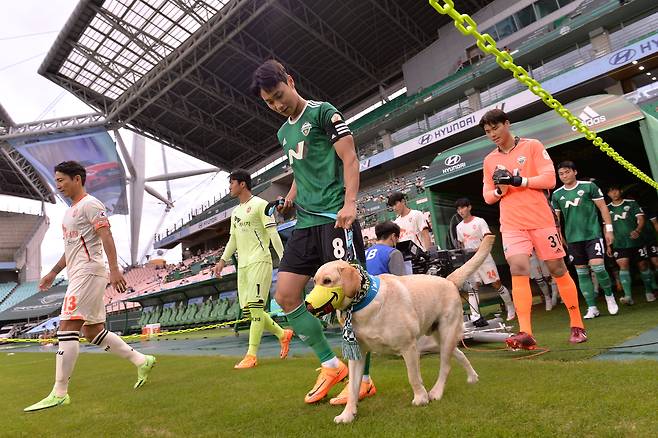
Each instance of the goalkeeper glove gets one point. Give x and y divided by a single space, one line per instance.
503 177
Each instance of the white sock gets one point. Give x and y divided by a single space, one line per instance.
365 378
67 354
114 344
544 288
474 304
506 296
331 363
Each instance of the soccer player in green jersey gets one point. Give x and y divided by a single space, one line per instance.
648 236
628 221
578 202
321 151
252 230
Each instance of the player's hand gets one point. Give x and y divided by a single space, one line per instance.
609 238
47 281
635 234
346 216
608 251
288 203
502 177
219 267
117 281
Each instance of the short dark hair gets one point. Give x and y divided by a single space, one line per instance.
614 186
493 117
72 168
394 198
241 175
462 202
384 229
267 76
567 164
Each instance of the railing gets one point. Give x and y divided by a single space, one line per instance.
626 35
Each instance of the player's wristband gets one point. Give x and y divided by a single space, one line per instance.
524 182
608 228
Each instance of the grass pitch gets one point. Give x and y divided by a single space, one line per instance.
560 393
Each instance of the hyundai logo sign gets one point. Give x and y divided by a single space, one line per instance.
452 160
622 57
425 139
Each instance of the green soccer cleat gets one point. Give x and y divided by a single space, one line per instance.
52 401
144 370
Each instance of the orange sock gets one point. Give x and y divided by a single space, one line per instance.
569 294
522 296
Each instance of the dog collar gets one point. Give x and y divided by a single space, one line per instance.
370 295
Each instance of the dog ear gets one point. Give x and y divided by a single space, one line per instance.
350 279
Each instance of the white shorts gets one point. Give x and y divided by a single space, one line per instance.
538 268
487 273
84 299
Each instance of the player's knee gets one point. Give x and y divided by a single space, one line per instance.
288 301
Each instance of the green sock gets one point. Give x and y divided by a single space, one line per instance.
255 329
309 329
586 286
604 279
625 279
654 285
272 326
646 280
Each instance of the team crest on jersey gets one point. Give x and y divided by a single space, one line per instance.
562 198
249 209
581 192
627 208
521 160
306 128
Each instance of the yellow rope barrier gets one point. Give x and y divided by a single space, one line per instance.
467 26
137 336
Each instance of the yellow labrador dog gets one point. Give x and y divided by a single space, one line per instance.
404 309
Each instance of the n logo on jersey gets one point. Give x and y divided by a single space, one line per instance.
616 217
296 154
573 203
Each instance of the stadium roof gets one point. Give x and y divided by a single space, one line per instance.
17 176
178 71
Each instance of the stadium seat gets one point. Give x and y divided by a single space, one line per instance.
233 311
220 309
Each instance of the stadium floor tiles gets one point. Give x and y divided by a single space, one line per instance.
210 346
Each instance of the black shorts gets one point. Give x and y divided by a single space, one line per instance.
580 253
309 248
652 249
637 253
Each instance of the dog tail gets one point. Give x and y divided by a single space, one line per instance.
459 276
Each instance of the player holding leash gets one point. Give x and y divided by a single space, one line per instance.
321 152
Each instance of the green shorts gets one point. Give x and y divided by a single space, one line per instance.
254 282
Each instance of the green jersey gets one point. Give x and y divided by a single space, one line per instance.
624 220
648 234
308 142
581 220
249 234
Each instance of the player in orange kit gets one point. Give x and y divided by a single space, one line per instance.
518 174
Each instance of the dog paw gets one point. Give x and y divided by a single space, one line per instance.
420 399
345 417
473 379
435 394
